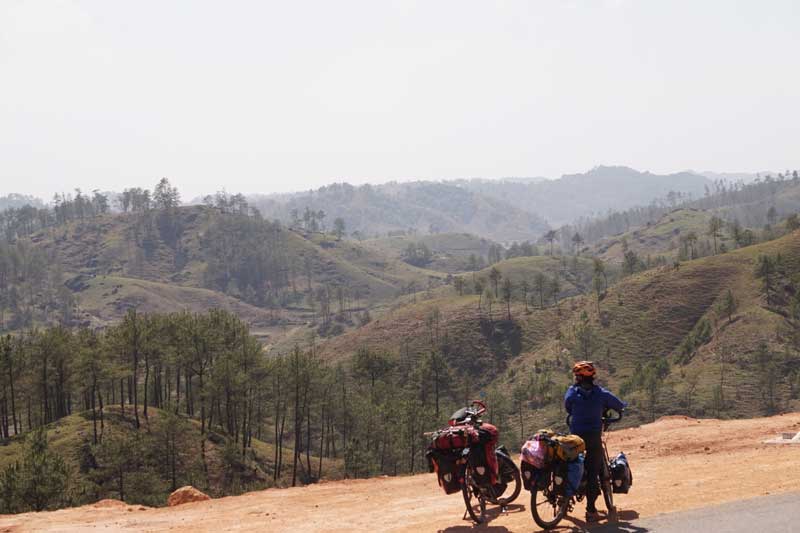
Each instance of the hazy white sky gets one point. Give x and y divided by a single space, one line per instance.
286 95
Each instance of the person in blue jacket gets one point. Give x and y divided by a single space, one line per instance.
587 402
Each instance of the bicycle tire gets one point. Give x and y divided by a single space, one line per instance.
540 521
468 490
508 467
608 493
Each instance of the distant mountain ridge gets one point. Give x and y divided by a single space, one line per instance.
592 193
504 210
415 207
746 177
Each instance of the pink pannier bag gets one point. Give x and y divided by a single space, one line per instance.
536 453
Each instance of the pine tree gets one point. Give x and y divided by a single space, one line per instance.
550 237
728 305
38 481
714 227
495 276
540 285
507 293
338 227
766 272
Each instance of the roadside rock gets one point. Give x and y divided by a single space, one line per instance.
109 504
186 494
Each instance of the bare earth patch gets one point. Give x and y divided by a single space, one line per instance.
678 463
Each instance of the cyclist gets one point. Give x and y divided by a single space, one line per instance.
587 402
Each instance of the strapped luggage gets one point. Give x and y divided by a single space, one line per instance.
456 437
569 447
536 452
621 476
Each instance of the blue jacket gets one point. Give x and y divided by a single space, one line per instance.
587 407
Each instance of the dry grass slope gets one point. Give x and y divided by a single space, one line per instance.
644 317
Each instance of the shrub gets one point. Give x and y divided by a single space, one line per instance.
37 482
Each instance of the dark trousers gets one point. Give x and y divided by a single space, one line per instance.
593 465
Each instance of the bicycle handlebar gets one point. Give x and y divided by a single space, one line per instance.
607 420
479 404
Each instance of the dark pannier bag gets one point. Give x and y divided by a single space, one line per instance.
481 471
484 460
445 464
529 474
621 476
488 434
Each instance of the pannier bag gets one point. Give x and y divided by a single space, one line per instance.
528 474
488 434
574 475
446 466
456 437
569 447
481 470
483 459
621 475
532 477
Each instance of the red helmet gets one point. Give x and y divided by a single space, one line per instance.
584 369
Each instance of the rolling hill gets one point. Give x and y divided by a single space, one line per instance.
450 251
423 207
664 320
503 210
664 237
114 262
573 196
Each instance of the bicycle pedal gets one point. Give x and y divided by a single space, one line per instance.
504 509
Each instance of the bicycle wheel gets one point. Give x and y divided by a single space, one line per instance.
509 484
608 493
473 498
547 508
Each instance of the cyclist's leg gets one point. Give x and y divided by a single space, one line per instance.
593 465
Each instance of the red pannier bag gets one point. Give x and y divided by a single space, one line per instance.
483 460
446 464
455 437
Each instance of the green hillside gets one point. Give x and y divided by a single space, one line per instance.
664 320
331 345
473 330
95 269
451 252
214 464
665 237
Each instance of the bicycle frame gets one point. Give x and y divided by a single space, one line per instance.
605 473
470 487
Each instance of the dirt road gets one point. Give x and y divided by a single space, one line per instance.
678 464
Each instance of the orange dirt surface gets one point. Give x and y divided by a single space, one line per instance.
678 463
